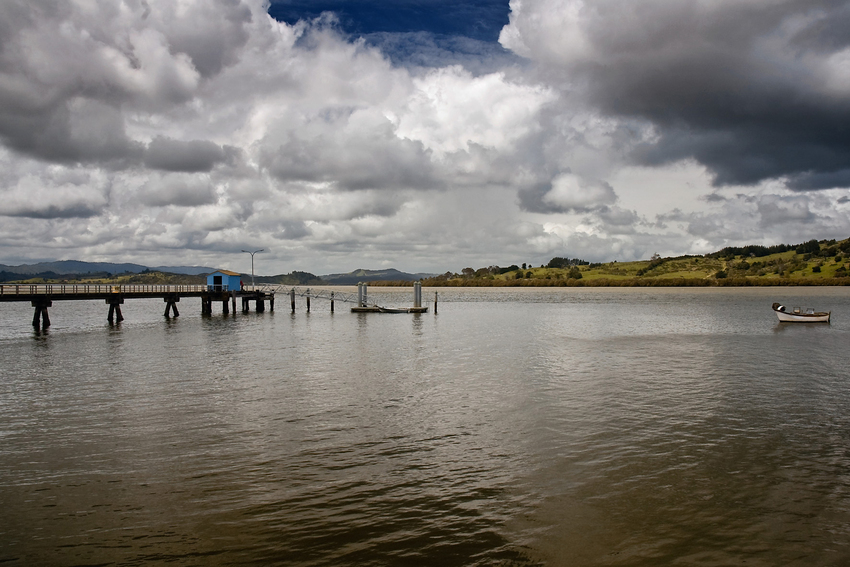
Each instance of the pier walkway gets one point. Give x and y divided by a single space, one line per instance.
42 296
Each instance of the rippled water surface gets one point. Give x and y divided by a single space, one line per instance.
514 427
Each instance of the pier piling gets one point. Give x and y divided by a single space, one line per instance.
171 305
115 303
41 306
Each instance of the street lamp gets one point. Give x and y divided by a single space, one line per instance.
252 263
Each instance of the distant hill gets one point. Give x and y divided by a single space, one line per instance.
361 275
76 267
188 270
294 278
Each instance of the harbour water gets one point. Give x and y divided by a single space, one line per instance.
562 427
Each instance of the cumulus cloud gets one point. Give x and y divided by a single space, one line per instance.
752 90
568 192
450 109
55 194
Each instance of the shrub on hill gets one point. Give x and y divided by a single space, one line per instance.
558 262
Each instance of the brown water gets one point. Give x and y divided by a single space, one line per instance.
515 427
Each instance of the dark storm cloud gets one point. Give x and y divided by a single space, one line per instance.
752 90
78 130
56 212
176 155
531 199
810 180
182 190
292 230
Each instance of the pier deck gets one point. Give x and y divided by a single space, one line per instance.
58 292
42 296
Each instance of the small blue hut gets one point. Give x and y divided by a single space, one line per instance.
224 280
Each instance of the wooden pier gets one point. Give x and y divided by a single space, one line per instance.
42 296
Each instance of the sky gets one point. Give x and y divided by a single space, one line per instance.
423 135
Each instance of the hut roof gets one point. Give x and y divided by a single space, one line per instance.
227 273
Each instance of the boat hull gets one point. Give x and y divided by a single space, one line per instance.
800 317
803 317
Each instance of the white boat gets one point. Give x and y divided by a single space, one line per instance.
797 315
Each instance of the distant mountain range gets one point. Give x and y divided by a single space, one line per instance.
66 267
52 270
361 275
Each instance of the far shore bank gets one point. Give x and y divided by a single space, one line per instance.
631 282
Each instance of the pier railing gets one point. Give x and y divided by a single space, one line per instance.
88 289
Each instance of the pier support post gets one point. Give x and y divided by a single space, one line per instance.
261 305
271 303
206 305
233 300
292 299
308 301
332 302
435 303
225 306
246 305
115 309
171 305
41 306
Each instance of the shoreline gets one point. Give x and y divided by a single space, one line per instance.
632 282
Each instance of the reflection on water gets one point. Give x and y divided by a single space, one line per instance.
517 427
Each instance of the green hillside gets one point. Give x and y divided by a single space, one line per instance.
825 262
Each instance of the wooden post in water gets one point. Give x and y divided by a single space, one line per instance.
41 306
233 300
308 300
246 305
332 302
225 306
115 309
435 303
292 298
171 305
271 302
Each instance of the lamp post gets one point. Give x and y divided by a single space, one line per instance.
252 263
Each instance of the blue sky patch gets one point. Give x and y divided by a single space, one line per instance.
480 20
